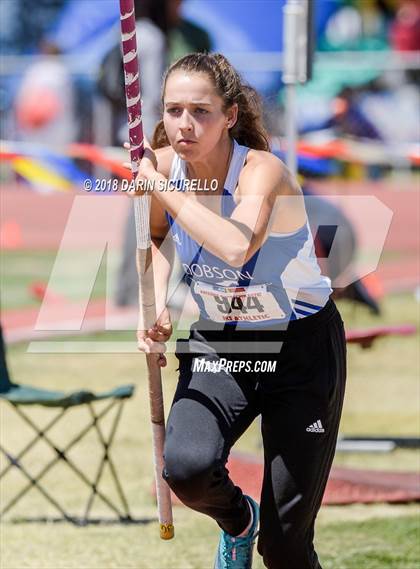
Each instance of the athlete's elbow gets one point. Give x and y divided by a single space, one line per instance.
235 255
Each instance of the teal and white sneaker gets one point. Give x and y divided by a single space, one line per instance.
236 552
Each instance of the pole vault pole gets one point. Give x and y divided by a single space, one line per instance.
144 260
297 68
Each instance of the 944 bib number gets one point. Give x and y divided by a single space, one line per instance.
239 304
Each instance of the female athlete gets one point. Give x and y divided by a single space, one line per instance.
268 341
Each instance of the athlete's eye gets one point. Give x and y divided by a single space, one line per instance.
201 111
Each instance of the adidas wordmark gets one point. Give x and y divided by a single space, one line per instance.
316 427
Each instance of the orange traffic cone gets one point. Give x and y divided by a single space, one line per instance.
374 286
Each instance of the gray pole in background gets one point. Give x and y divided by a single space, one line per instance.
297 54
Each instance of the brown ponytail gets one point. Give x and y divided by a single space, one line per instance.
248 129
159 138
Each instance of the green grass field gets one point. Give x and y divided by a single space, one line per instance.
20 269
382 398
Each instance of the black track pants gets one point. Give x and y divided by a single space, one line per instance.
300 405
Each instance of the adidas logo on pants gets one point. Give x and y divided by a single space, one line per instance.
316 427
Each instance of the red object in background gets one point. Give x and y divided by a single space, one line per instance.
405 31
38 290
367 336
345 485
37 108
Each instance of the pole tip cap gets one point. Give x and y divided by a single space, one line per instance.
167 531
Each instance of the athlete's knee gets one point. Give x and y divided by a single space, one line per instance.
188 473
288 552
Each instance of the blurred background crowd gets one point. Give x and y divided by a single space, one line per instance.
359 87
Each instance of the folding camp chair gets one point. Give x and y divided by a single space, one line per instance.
20 396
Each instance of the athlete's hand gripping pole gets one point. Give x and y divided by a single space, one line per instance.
144 259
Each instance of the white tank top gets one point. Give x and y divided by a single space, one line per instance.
281 282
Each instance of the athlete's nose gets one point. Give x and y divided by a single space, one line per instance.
185 122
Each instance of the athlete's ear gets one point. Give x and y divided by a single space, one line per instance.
231 115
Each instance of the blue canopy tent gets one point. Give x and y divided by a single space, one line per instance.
251 26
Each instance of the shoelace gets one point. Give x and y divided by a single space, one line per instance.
237 549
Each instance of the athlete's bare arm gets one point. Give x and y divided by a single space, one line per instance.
267 198
162 255
159 226
235 240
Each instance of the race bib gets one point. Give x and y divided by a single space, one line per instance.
239 304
